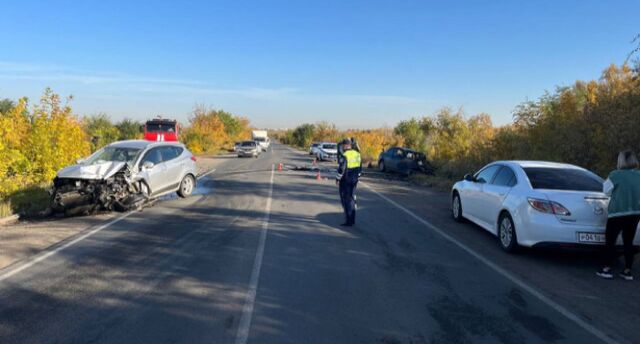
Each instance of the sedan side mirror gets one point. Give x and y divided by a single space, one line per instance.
147 165
469 178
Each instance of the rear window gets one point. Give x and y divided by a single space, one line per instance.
248 144
563 179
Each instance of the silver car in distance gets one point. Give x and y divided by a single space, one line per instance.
249 148
125 174
534 203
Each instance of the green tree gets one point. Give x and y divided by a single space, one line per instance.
302 136
129 129
101 130
413 134
6 105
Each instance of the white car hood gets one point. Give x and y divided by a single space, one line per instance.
330 151
97 171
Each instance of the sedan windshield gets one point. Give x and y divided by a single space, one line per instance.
248 144
113 154
330 146
563 179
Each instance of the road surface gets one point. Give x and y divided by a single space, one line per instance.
257 255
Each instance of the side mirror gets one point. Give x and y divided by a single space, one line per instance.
469 178
147 165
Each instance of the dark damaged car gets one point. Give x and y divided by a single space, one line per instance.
124 175
405 161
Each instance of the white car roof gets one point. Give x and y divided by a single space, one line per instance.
534 163
143 144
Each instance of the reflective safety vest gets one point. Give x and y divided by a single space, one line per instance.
353 159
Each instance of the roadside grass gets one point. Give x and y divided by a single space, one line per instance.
5 208
32 201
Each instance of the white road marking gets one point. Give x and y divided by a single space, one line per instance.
206 174
48 254
37 259
520 283
247 312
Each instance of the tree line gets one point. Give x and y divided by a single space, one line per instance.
585 124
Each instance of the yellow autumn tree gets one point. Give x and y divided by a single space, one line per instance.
206 132
14 165
56 138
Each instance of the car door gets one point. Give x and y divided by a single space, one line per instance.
406 164
494 194
174 165
473 198
156 176
396 159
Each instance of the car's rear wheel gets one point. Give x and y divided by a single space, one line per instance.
456 208
507 233
187 185
381 166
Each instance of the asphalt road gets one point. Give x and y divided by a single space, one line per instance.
257 255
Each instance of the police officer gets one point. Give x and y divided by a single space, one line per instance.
349 169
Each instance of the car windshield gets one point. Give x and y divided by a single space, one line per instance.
160 127
329 146
248 144
113 154
563 179
260 139
314 145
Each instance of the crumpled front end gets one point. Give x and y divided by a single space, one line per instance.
77 194
423 165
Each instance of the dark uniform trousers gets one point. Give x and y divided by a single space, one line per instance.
348 186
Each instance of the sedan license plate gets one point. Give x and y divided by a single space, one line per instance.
591 238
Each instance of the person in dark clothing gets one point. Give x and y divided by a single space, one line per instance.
623 186
349 169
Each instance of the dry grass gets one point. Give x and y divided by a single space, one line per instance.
437 182
5 209
30 202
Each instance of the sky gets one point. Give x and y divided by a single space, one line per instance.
358 64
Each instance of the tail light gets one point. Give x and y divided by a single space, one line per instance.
548 207
194 158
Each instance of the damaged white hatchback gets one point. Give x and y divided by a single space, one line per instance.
124 175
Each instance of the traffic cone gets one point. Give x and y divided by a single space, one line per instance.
318 176
279 167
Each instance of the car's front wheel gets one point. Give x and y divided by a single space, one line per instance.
456 208
187 185
507 233
381 166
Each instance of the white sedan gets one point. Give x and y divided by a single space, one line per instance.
533 203
327 151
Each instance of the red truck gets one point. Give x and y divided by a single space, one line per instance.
160 129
